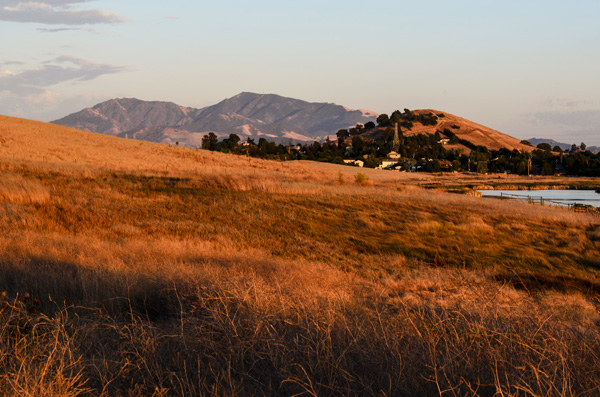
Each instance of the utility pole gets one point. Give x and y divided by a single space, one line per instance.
396 142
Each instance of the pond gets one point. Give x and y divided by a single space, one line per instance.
549 197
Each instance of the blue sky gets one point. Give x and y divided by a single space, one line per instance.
526 68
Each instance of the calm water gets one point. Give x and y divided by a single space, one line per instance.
586 197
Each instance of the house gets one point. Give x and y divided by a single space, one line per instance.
388 163
356 163
391 161
444 141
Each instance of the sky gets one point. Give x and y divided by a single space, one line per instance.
526 68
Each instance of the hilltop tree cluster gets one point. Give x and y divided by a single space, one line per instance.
407 118
420 152
263 149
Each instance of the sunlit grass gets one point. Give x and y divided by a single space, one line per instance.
171 271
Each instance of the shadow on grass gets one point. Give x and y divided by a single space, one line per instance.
60 283
538 282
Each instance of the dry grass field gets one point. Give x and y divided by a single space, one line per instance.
129 268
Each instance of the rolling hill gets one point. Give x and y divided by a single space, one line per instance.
477 134
279 278
247 115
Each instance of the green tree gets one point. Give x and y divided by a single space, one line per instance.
482 167
548 169
576 163
396 117
209 142
383 120
433 166
358 144
342 134
233 141
371 161
544 146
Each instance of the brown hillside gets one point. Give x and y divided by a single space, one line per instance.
50 147
468 130
132 268
57 148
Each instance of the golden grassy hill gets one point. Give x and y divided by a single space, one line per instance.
471 131
133 268
53 147
475 133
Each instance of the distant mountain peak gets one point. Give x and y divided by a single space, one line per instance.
245 114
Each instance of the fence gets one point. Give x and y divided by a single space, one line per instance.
542 201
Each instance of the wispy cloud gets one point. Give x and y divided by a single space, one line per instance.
56 30
59 70
47 105
59 30
11 62
55 12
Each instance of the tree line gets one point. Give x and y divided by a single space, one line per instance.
420 152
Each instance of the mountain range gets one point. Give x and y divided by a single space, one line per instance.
562 145
247 114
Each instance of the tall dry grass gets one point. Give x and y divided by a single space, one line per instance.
38 356
155 270
14 188
193 320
